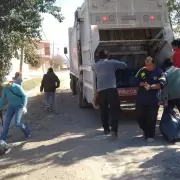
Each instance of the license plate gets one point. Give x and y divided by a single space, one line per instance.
127 91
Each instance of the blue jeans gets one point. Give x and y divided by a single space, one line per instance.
50 99
17 112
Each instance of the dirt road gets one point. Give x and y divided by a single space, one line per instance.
70 145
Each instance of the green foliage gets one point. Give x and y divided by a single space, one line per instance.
174 14
20 24
30 54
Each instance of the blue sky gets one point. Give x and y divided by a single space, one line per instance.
58 32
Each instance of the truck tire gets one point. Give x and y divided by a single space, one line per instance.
73 86
82 102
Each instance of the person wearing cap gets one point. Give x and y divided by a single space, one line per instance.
17 78
171 92
107 92
150 81
176 57
17 101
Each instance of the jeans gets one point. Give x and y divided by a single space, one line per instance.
17 112
147 118
109 97
50 100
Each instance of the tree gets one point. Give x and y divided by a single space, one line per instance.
30 53
174 14
20 25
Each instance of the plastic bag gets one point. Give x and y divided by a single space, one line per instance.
170 125
96 101
24 110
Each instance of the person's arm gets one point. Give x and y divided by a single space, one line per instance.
24 96
164 92
93 68
159 85
139 79
164 95
118 64
42 84
2 99
57 82
161 82
175 59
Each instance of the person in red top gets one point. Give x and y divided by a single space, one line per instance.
176 57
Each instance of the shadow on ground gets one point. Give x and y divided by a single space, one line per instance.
73 135
163 166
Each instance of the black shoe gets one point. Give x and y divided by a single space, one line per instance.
114 134
106 132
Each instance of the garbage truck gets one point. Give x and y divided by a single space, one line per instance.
129 30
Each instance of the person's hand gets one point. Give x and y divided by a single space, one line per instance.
147 86
24 110
165 105
41 89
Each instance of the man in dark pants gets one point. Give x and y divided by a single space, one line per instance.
171 92
150 80
49 84
107 92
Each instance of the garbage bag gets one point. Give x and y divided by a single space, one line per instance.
3 147
170 125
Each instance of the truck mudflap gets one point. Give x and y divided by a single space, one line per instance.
127 94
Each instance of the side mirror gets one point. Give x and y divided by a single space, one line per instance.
65 50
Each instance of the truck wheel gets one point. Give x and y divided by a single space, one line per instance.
82 102
73 86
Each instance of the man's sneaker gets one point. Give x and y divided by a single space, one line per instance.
150 140
144 134
47 109
114 134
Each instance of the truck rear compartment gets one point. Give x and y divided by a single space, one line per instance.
129 34
131 47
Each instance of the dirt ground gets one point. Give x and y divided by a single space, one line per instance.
70 145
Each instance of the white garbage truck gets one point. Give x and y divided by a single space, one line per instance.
130 30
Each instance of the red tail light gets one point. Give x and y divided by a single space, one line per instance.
105 18
152 18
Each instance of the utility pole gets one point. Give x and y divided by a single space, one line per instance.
53 57
21 59
22 55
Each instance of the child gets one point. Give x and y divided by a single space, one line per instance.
17 78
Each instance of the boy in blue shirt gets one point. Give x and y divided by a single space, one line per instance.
150 80
17 101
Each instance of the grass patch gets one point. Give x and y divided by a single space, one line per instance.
31 84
